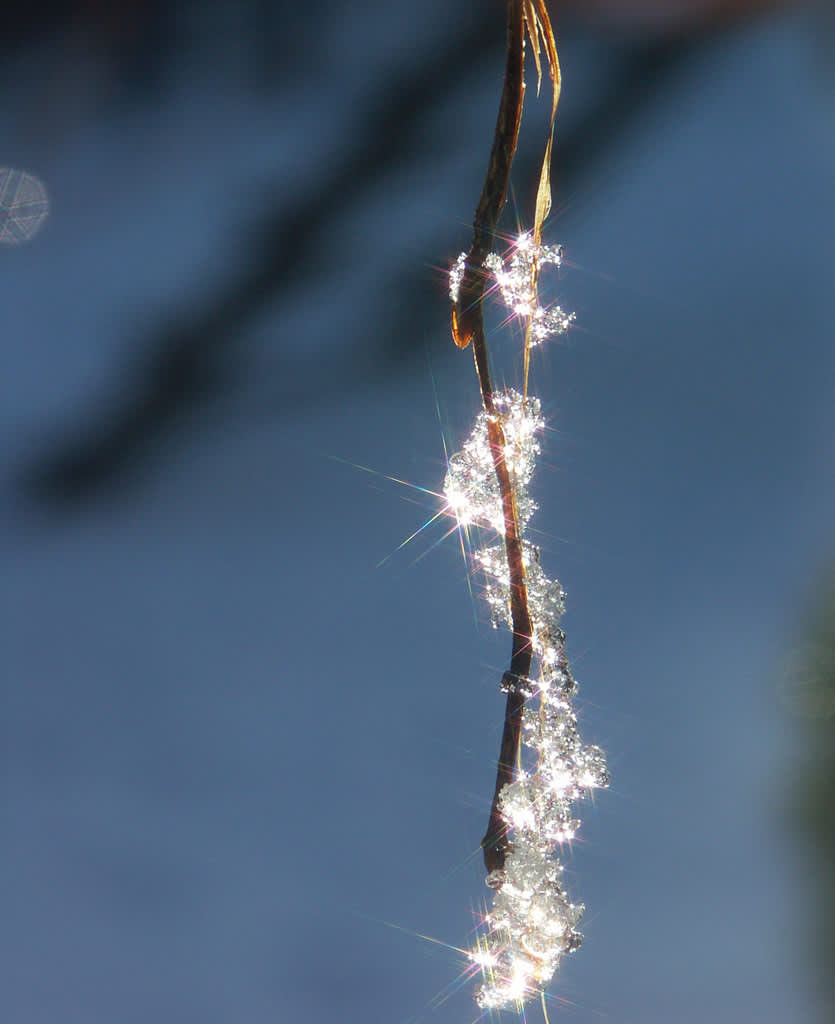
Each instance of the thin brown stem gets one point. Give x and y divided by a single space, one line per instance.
468 325
467 316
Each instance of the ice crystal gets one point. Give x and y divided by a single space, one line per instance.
516 278
532 923
456 275
546 598
471 488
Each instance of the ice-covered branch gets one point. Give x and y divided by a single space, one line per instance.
532 922
516 281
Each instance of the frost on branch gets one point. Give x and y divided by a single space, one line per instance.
516 278
471 488
532 922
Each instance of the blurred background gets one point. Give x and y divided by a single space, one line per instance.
248 735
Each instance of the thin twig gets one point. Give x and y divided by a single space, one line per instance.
468 325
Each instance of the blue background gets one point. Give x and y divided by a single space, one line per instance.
249 742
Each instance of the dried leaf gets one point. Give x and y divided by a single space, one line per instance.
460 338
543 192
539 24
532 25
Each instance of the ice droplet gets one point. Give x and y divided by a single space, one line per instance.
496 879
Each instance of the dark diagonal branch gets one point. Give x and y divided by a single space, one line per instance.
188 359
468 326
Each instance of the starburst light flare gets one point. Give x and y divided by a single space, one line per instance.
532 923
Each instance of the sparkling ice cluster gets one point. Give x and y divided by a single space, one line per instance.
515 278
532 923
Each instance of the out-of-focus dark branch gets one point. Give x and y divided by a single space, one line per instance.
810 695
186 361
